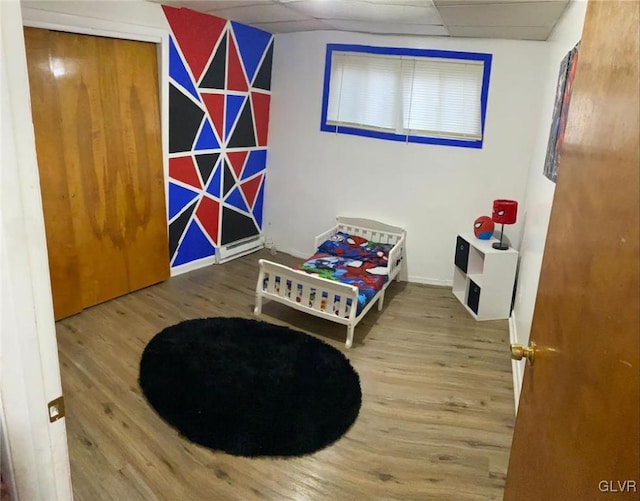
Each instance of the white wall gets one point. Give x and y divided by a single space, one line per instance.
433 191
540 190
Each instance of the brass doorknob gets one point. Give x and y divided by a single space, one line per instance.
518 352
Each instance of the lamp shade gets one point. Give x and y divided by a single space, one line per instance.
504 211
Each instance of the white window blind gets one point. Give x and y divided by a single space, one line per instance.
414 96
364 90
442 97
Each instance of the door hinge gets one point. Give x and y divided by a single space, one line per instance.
56 409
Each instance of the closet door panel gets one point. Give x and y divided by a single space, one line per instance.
98 200
53 159
109 140
145 225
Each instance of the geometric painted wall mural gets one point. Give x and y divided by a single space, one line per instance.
219 97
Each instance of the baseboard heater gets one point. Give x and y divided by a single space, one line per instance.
239 248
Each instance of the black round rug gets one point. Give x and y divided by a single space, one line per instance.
250 388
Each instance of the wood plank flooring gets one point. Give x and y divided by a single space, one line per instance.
436 420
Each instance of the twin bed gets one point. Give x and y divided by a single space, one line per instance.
354 263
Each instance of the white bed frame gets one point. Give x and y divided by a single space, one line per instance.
273 278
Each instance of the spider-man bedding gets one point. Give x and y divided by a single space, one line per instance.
352 260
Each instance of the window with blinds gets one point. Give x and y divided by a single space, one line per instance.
406 94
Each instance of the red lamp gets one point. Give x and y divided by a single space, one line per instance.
504 212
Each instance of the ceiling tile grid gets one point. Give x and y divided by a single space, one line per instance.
508 19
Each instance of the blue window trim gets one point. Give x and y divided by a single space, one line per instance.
399 51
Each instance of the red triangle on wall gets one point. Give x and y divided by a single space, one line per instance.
215 107
196 34
183 169
235 74
261 115
237 159
208 214
250 188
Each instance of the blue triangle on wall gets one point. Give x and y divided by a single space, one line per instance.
179 198
178 71
214 185
257 206
207 139
234 103
257 162
194 245
235 199
252 43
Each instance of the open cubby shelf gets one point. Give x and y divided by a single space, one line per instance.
484 277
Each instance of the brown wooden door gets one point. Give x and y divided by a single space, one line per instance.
46 104
577 431
95 106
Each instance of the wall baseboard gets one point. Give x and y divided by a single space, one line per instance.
517 367
293 252
193 265
429 281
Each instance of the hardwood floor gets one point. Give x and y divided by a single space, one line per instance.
436 420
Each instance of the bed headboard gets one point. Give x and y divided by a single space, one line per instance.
370 229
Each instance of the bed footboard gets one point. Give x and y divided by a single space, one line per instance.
334 301
318 296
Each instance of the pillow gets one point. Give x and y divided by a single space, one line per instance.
354 247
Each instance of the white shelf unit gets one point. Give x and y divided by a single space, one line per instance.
483 277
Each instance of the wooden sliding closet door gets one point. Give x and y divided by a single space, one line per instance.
54 186
95 109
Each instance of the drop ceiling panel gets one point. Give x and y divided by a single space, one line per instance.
365 11
439 3
210 5
416 3
508 19
294 26
389 28
508 32
513 14
262 13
